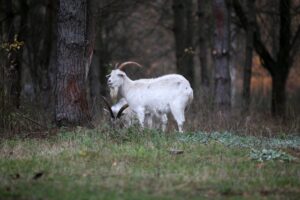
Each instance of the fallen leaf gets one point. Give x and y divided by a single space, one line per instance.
175 151
38 175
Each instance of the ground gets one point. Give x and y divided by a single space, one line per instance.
134 164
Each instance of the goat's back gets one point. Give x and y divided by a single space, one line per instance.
159 93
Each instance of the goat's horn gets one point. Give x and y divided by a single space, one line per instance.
128 63
116 65
108 106
121 110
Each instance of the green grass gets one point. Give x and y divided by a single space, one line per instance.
131 164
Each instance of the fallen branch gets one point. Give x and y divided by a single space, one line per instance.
31 120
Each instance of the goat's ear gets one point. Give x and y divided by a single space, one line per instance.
121 111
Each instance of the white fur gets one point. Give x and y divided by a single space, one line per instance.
157 96
129 117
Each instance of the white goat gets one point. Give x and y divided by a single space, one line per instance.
158 96
120 113
125 116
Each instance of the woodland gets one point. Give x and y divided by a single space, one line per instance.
241 135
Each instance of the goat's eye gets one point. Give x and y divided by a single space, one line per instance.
107 76
120 75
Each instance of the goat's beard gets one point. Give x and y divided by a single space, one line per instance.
114 92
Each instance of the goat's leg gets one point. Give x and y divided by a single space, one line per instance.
148 120
178 114
141 116
164 122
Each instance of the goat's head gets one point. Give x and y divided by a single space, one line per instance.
117 77
114 117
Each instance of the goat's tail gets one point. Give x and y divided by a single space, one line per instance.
190 98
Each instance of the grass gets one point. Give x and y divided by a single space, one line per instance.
133 164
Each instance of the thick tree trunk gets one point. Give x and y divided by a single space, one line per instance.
222 92
71 97
249 55
203 42
280 71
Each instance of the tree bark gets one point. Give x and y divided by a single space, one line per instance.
246 94
222 92
71 96
203 42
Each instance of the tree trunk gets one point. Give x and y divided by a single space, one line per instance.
183 33
283 65
222 92
13 64
71 97
203 28
104 57
279 66
249 55
179 33
44 81
278 94
52 68
189 46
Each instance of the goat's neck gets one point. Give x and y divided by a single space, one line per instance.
127 84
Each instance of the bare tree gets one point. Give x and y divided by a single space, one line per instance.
222 91
278 66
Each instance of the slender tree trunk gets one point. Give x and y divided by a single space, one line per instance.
104 57
52 68
278 94
222 92
183 33
249 55
179 33
44 79
71 97
279 66
14 58
189 61
203 28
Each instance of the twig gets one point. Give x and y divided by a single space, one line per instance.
33 121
